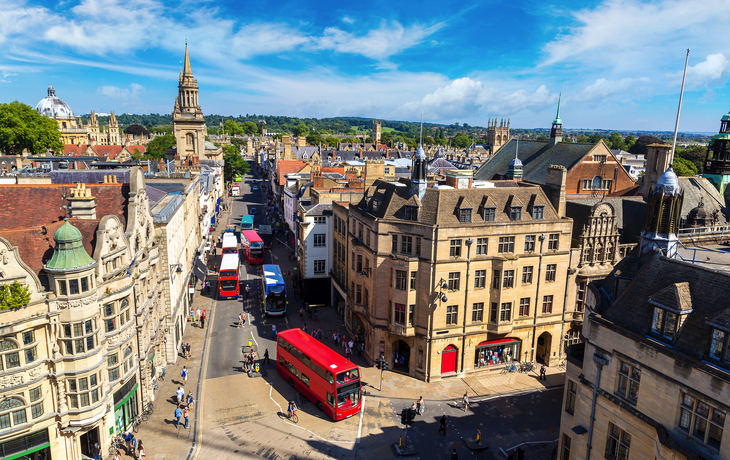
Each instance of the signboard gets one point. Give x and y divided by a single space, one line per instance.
264 229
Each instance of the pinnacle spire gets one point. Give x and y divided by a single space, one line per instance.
557 116
187 70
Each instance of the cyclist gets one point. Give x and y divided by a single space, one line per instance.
291 408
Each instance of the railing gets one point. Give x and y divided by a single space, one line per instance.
716 231
625 249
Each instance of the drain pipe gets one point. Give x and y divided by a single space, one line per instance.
600 362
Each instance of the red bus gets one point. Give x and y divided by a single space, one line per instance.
320 373
229 245
253 247
228 277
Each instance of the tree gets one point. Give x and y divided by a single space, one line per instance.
369 140
300 130
684 167
238 142
615 141
157 147
235 164
250 128
232 128
583 139
695 154
315 139
23 128
461 141
629 141
136 130
332 141
639 148
594 138
14 295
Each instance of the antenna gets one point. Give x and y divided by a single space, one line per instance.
679 109
421 142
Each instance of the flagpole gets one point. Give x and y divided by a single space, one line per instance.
679 109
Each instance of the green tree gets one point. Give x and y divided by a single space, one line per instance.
300 130
235 164
232 128
239 143
22 128
157 147
695 154
594 138
369 140
629 141
461 141
615 141
583 139
639 148
332 141
14 295
250 128
684 167
543 138
315 139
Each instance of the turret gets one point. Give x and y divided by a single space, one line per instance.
661 222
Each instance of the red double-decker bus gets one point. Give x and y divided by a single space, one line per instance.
228 277
321 374
253 247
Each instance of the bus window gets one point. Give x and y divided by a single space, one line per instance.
306 361
348 376
305 379
282 361
320 371
329 377
330 400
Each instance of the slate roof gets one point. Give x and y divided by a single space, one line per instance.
440 206
318 209
89 176
536 156
629 215
704 290
439 165
695 188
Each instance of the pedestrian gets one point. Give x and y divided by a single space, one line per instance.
350 344
309 313
191 399
454 455
315 314
180 393
202 320
241 319
197 313
185 416
96 451
465 400
420 406
543 375
362 349
140 450
304 328
187 350
443 424
248 291
133 447
117 455
273 331
266 356
344 341
184 375
301 314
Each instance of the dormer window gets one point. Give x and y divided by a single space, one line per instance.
719 351
490 214
411 213
515 213
538 212
664 324
465 215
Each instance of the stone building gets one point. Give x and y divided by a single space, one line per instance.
497 135
377 129
79 358
452 279
717 160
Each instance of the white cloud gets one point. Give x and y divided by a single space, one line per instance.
114 92
710 72
266 38
603 89
348 20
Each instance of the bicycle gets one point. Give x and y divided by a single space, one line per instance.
563 364
509 368
116 444
293 416
527 367
136 423
161 377
147 412
155 385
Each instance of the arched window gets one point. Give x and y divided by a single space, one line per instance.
597 183
9 358
189 138
128 360
12 413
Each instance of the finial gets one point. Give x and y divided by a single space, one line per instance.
421 142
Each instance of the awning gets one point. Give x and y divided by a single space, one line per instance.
212 219
200 269
497 342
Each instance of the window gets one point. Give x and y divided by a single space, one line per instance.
320 240
509 279
530 243
80 337
480 278
566 447
127 363
359 230
618 443
719 347
394 244
515 213
664 324
112 363
400 313
538 212
454 278
367 238
570 396
413 281
366 299
411 312
12 412
490 214
455 248
400 280
505 311
482 244
406 244
359 263
319 266
9 356
493 312
496 279
547 304
553 241
36 410
526 275
84 391
465 216
629 378
73 286
358 294
524 306
580 296
62 287
550 271
477 312
418 246
451 312
352 259
506 244
84 284
601 158
701 420
411 213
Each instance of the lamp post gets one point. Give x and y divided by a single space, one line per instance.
441 297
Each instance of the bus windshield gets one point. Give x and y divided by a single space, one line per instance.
257 250
228 274
228 285
275 302
348 395
347 377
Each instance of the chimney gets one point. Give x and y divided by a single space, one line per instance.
657 161
555 187
82 204
317 179
374 170
352 180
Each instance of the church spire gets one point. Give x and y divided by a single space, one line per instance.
556 132
187 70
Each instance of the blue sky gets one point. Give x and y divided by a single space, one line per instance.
618 62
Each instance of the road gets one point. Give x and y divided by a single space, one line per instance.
242 416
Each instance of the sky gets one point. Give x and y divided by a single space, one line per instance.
617 63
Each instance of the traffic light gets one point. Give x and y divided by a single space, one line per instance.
385 365
377 363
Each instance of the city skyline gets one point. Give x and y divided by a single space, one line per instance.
617 63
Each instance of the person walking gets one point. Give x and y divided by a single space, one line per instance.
202 320
191 399
301 314
273 331
420 406
185 416
184 375
443 424
140 450
178 414
197 313
133 447
96 451
465 400
543 375
187 349
180 394
117 455
266 356
241 319
454 455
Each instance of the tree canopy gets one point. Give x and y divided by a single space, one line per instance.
300 130
14 295
235 164
22 128
695 154
461 141
157 147
639 148
684 167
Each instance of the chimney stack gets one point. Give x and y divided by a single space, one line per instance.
82 204
555 187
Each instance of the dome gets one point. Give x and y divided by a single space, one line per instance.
515 163
52 106
698 216
725 117
420 154
668 182
69 253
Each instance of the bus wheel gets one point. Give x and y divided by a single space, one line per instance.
320 406
291 382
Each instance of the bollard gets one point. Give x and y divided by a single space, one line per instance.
479 436
250 342
257 367
400 441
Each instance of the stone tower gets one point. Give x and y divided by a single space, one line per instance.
113 128
717 161
418 174
188 123
556 131
377 127
497 134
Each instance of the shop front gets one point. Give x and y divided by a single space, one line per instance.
125 405
497 352
36 446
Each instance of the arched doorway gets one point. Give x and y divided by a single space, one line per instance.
401 356
448 359
543 348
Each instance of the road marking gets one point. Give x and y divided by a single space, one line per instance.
362 412
271 387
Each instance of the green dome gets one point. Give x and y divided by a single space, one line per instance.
69 253
725 117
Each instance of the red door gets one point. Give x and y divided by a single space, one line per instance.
448 359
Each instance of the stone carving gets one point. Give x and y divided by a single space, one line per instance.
4 256
115 339
77 303
112 235
12 380
35 373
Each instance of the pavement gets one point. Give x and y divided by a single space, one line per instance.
219 411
